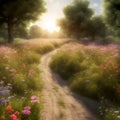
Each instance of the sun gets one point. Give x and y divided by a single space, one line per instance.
50 25
48 22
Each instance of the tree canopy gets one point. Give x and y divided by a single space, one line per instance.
77 15
80 21
96 27
14 12
35 31
112 13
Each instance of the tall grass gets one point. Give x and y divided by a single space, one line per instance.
92 71
20 69
20 83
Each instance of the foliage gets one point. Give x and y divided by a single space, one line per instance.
77 15
19 111
108 111
69 68
20 83
80 21
92 71
22 75
19 31
16 12
96 28
3 31
112 13
35 31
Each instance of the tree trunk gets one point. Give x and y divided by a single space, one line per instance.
10 33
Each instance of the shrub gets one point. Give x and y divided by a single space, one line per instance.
43 48
92 71
69 64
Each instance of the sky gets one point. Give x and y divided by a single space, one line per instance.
54 11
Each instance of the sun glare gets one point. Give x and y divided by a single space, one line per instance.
48 23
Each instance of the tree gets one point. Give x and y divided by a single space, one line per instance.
15 12
21 30
96 27
35 31
18 31
77 15
112 13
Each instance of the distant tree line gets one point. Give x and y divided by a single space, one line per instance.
79 22
36 31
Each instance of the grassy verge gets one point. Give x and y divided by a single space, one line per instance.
92 71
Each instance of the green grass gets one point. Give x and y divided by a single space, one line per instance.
45 48
19 66
86 74
93 72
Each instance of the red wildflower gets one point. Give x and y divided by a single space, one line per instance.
17 113
14 117
9 109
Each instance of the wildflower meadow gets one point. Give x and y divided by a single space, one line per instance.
92 71
20 83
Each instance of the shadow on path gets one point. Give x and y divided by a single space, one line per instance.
89 104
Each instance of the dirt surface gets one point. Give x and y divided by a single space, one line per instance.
59 102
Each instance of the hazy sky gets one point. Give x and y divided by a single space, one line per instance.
54 12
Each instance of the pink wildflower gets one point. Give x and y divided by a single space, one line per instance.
26 112
16 113
34 99
31 72
14 117
27 108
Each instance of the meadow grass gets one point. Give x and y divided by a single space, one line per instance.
20 69
20 83
92 71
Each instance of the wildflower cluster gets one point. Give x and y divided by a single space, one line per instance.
12 114
27 110
91 70
34 99
18 66
110 66
5 93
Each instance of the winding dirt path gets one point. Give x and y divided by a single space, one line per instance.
59 102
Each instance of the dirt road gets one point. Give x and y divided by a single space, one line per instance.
59 102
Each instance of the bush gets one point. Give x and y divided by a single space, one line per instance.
93 71
44 48
69 64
